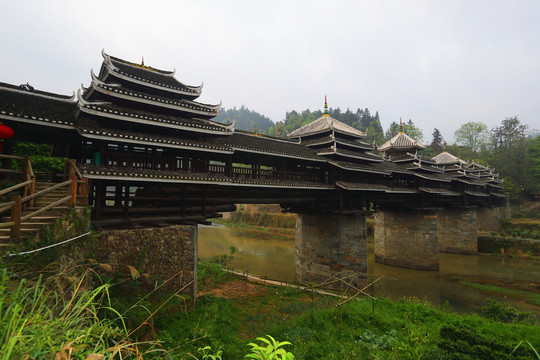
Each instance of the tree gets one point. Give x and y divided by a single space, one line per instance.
392 131
472 135
509 153
533 163
437 142
410 129
509 133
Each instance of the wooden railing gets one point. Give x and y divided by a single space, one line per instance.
77 188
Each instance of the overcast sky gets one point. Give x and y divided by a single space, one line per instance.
439 63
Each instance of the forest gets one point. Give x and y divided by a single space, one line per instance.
512 148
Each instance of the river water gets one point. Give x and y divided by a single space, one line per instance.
271 254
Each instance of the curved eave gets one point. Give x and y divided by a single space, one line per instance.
271 153
438 191
95 110
476 193
42 94
115 90
117 175
344 167
152 84
36 120
98 135
330 129
376 188
358 146
108 61
122 94
367 158
430 178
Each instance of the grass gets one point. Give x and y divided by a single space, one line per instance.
55 317
530 297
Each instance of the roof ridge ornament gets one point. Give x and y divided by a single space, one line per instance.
400 126
325 107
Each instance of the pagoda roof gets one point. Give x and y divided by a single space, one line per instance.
89 128
323 124
445 158
114 111
401 142
147 76
25 104
121 92
253 143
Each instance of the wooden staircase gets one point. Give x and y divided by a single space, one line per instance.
40 203
36 224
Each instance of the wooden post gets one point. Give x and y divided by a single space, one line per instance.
72 189
83 191
32 190
16 216
26 174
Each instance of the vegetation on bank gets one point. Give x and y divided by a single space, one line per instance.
44 317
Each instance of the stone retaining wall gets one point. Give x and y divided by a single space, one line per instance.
157 253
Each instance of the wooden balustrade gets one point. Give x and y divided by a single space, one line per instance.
76 184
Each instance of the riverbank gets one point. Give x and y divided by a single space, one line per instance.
233 312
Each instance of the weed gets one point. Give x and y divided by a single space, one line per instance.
272 350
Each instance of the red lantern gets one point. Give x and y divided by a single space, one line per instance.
5 131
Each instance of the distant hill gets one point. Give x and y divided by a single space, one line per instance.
244 119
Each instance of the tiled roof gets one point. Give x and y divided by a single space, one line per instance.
358 154
374 187
122 92
446 158
150 175
438 191
149 75
476 193
36 106
354 143
244 141
325 123
91 129
368 168
401 142
135 115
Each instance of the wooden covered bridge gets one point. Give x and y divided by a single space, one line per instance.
143 152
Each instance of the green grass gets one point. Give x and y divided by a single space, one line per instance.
42 318
530 297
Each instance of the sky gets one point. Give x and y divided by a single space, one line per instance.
439 63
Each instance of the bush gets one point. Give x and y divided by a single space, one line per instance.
502 312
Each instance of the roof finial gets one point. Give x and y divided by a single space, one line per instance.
400 126
444 146
142 61
325 107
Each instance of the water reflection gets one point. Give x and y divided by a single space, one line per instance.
271 254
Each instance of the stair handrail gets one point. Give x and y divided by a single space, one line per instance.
77 186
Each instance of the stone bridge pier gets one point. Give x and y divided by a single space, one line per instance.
414 238
331 245
458 231
407 238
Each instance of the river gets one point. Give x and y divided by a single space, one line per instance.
271 254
